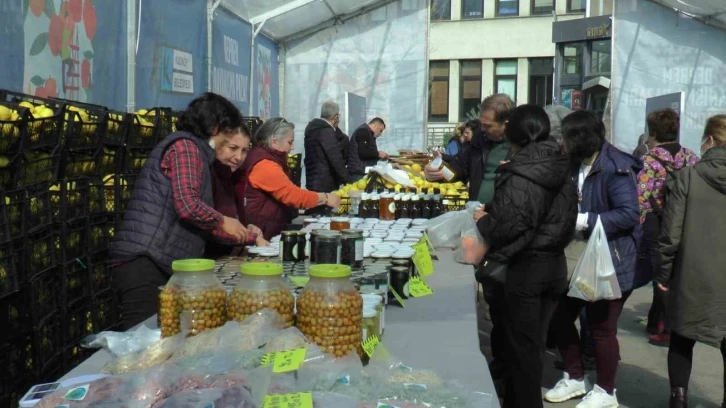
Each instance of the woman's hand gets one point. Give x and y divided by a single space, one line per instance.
333 201
233 227
662 287
479 213
261 242
255 230
436 153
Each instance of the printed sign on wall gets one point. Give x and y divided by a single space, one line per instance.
177 71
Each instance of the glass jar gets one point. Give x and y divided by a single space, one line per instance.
370 323
376 302
288 246
339 224
327 247
438 205
308 221
193 300
399 282
330 310
387 207
405 211
397 203
351 248
439 164
311 247
415 207
261 286
355 200
302 241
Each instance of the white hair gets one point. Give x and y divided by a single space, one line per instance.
329 110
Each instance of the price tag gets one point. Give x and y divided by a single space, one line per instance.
298 400
422 258
284 361
299 281
370 344
397 296
419 288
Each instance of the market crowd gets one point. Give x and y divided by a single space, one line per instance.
546 179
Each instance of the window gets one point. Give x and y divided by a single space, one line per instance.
439 91
505 78
541 83
472 9
571 57
507 7
575 6
600 57
440 10
470 87
543 6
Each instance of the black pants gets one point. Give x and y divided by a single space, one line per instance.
657 312
137 283
680 361
530 306
494 296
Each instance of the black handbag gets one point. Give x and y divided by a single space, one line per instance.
491 270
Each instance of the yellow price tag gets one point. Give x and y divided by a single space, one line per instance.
419 288
370 344
298 400
299 281
284 361
422 258
397 296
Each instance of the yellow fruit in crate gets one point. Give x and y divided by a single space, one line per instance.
5 113
452 192
108 180
4 161
14 116
28 105
459 184
361 184
465 195
44 113
397 187
142 112
416 167
7 200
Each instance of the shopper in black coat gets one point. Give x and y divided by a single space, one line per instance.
325 167
527 226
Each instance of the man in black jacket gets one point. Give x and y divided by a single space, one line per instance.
324 162
363 151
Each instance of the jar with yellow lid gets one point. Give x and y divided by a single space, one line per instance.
261 287
193 300
330 310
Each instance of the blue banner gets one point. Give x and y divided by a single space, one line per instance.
12 46
267 86
231 40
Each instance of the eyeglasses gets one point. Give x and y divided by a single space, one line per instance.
277 127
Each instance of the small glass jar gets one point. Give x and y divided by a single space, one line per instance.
308 221
327 247
330 310
288 246
302 242
397 203
355 200
376 301
399 277
261 286
387 207
370 323
193 300
311 245
339 223
439 164
351 251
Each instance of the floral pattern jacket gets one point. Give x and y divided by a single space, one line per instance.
652 178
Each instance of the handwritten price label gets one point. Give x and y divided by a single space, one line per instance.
397 296
370 344
419 288
298 400
284 361
422 258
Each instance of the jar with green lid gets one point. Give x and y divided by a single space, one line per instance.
193 300
330 310
261 287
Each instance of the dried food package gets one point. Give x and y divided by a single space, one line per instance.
238 397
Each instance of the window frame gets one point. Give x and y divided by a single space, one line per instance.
590 46
433 14
464 17
462 113
572 10
578 57
508 76
532 8
549 78
431 79
498 14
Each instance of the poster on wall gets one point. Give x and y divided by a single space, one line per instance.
264 82
231 58
566 98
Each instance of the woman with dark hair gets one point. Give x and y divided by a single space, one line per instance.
171 212
271 198
606 188
665 156
527 226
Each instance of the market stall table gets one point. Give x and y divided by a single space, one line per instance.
437 332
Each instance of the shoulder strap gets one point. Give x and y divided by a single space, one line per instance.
657 210
663 163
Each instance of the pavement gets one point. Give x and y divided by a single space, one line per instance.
642 379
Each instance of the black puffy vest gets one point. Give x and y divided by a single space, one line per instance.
151 226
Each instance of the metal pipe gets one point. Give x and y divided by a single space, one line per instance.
131 55
255 31
211 8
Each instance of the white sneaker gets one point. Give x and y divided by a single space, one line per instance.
566 389
599 398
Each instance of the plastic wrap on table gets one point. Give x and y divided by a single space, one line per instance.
220 361
288 339
333 400
120 343
445 230
153 355
237 396
328 374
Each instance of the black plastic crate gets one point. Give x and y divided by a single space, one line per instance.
9 274
17 362
18 386
96 193
76 282
86 127
69 199
149 128
101 278
13 128
12 215
117 196
110 161
41 251
38 209
77 320
117 128
14 318
42 294
134 160
37 168
81 163
99 238
253 123
74 355
106 314
71 238
48 340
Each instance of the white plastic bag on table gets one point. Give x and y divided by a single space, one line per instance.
120 343
594 277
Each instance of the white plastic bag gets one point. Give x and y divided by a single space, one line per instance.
471 249
594 277
445 230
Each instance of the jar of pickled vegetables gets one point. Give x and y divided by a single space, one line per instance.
330 310
261 286
193 300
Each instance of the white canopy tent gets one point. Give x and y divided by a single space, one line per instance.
709 12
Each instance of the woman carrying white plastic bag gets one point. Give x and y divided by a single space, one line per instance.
594 277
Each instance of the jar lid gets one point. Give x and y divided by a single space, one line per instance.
437 162
369 312
340 219
330 271
289 233
261 269
353 232
387 195
192 265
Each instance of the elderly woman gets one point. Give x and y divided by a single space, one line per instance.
271 199
171 213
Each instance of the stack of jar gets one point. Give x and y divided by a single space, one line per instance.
410 203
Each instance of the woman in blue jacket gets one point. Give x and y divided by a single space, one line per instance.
605 177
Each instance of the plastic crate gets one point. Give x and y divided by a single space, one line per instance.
38 208
12 215
453 203
41 251
77 320
101 278
134 160
147 130
17 362
71 238
13 132
253 123
110 161
99 239
69 199
14 317
48 339
86 126
74 355
81 163
9 273
76 280
106 314
96 192
42 133
117 196
37 168
41 294
117 128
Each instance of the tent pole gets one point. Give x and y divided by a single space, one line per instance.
131 55
255 32
211 8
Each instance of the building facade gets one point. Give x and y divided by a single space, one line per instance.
482 47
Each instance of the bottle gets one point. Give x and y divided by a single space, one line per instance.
438 205
375 205
439 164
428 205
415 206
405 211
363 208
397 203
